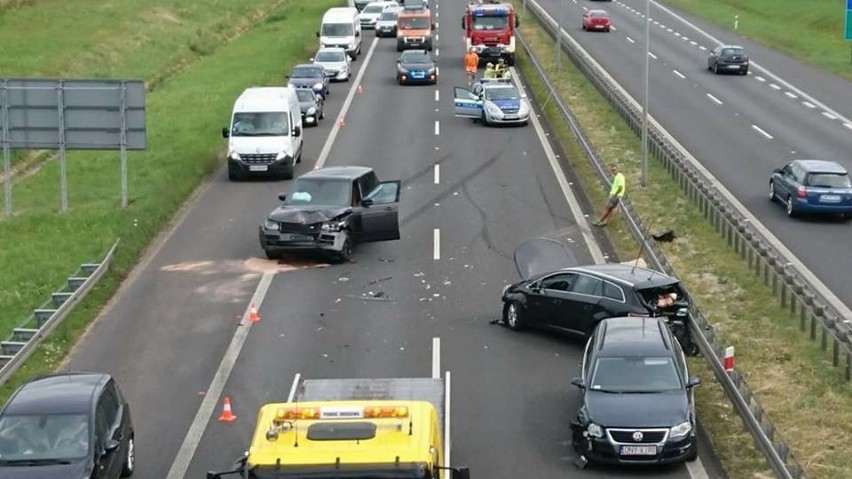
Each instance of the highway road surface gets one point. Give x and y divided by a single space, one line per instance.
738 127
470 195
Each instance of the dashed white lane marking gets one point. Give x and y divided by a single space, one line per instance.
437 170
848 125
436 244
438 72
702 47
437 52
630 40
436 36
808 104
217 385
436 358
652 55
613 29
759 130
437 127
791 95
669 30
678 73
693 42
437 95
676 34
760 79
716 100
436 14
774 86
829 115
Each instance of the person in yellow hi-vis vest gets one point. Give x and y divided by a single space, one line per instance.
616 192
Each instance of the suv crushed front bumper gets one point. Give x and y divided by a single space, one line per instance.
274 241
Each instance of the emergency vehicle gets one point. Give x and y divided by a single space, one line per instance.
395 428
490 29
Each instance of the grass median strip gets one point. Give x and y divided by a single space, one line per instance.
40 248
771 21
804 396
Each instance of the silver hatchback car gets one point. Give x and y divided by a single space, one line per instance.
335 62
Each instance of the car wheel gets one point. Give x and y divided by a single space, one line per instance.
790 210
345 253
584 26
771 191
715 68
234 174
321 114
484 118
744 72
513 315
129 459
273 254
693 454
607 30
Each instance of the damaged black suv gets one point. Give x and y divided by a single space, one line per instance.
329 210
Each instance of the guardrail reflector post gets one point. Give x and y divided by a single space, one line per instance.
729 359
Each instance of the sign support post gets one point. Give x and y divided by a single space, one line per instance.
7 160
848 29
63 173
123 145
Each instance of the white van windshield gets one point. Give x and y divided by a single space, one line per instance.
261 124
337 30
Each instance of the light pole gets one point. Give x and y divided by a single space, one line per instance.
559 34
644 180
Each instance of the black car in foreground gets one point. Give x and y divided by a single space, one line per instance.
574 299
637 403
331 209
67 426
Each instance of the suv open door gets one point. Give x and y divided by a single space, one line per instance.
380 213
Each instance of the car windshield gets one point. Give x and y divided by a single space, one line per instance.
490 23
337 30
304 94
414 23
45 437
829 180
306 72
389 15
330 57
635 375
272 123
320 191
501 94
419 57
373 9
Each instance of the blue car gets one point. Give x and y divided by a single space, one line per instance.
309 75
416 66
812 186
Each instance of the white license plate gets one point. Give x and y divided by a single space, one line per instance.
511 117
287 237
829 198
638 450
258 167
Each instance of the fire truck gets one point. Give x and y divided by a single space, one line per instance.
490 29
394 428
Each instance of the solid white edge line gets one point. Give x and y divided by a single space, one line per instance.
335 129
573 204
217 386
437 171
436 244
718 101
437 127
296 380
759 130
678 73
848 125
436 358
447 436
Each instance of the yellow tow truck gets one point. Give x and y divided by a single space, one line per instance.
395 428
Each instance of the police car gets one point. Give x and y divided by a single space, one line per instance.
492 102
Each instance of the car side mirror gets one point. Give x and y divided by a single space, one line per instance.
578 381
226 132
287 76
111 445
367 202
318 35
777 170
693 381
461 473
297 131
433 27
282 196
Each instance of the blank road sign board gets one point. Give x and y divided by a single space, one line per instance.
91 111
848 30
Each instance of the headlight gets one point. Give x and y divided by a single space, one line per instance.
332 226
318 86
432 71
404 71
681 429
352 45
234 155
281 155
524 109
270 225
312 111
594 430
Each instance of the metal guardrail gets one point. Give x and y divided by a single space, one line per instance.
21 343
776 452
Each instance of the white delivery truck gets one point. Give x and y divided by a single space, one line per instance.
340 27
265 133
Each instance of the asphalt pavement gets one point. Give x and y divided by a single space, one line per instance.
738 127
172 325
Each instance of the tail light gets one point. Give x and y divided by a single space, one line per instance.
802 192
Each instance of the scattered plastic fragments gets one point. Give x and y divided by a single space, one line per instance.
380 279
343 279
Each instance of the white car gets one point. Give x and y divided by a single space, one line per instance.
492 102
386 24
335 62
371 13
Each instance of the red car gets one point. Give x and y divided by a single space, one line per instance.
596 20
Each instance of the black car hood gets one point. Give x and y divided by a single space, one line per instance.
307 215
307 105
637 410
57 471
541 255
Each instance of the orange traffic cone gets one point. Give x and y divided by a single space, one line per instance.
359 90
254 316
341 123
227 414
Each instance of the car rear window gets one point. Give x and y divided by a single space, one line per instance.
733 51
829 180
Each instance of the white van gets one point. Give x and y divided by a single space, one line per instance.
265 136
340 28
